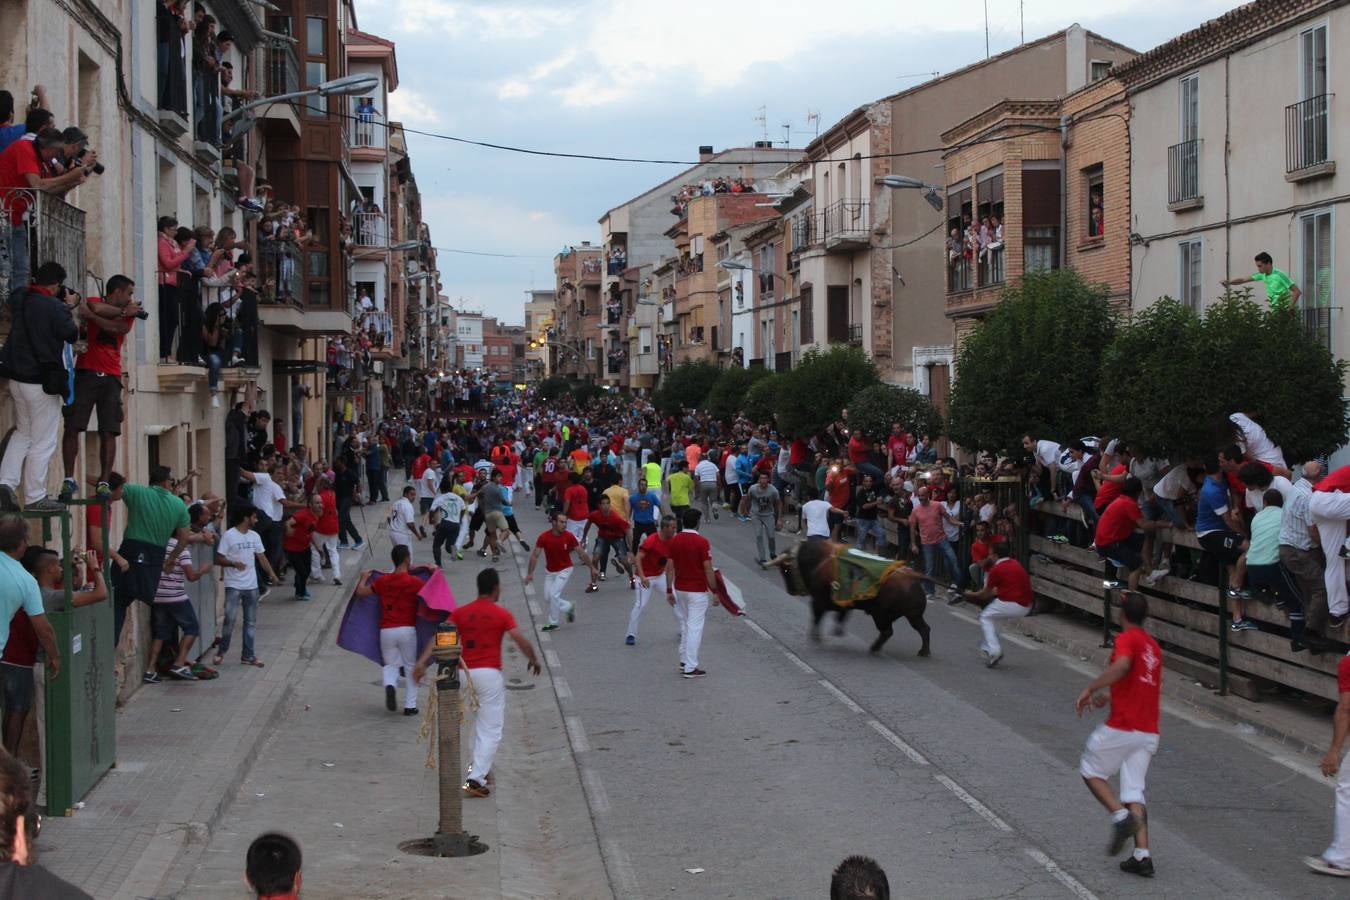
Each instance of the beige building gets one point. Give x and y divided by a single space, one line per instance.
539 310
868 259
1259 81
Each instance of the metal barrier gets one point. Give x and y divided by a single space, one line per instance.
54 232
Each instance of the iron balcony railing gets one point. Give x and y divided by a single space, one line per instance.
990 268
1183 171
803 233
281 273
367 130
1306 133
283 69
1317 322
49 230
855 333
959 276
369 229
844 220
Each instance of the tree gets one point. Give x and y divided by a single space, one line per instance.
686 386
761 400
586 391
553 387
1032 364
873 409
728 393
815 393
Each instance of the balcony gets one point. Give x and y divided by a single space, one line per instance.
280 273
1317 324
367 136
281 75
960 276
855 333
591 269
1183 176
844 225
1307 144
369 229
989 268
55 233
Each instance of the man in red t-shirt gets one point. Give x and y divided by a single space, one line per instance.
481 625
1108 483
326 536
557 545
299 543
28 165
1006 595
1335 860
613 534
980 559
1129 738
652 556
1118 536
577 505
690 570
98 381
398 635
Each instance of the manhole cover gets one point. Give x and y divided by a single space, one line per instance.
520 687
428 847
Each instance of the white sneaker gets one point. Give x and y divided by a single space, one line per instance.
215 401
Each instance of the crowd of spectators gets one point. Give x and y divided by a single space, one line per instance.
719 185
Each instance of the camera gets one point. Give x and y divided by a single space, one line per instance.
142 315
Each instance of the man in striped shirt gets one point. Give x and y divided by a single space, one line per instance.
172 616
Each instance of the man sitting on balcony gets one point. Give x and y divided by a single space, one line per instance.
1281 292
28 165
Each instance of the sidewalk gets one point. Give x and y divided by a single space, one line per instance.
348 780
184 747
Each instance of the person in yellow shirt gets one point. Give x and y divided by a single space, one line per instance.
581 458
681 486
618 499
652 472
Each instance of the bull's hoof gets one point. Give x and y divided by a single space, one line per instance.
924 652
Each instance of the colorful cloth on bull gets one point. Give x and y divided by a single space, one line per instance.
858 575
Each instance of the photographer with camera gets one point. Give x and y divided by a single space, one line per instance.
98 380
75 153
43 322
27 167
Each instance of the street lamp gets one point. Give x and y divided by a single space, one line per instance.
405 245
346 85
931 191
735 265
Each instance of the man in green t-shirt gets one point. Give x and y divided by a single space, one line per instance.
154 514
1281 291
680 484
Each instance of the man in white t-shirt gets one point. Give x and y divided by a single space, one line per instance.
816 516
403 520
269 500
1046 455
428 486
240 549
1257 445
705 475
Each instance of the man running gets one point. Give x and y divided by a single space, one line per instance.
397 592
1129 738
690 570
764 507
558 544
613 533
403 520
706 474
577 504
481 625
652 557
645 507
1006 595
491 500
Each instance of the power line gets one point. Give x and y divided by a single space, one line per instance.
487 253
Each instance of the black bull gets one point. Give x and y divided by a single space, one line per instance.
899 596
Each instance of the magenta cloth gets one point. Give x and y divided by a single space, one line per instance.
360 628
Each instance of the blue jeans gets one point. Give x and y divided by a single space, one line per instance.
864 527
19 264
212 370
233 596
930 555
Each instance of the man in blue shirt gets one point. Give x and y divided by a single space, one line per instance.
1216 528
19 590
9 130
644 506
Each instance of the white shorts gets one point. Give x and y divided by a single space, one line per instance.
1110 750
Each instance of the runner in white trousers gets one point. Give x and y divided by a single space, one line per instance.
1329 509
652 557
557 545
690 572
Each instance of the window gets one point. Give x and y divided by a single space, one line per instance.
318 294
1315 232
1040 248
808 316
1183 158
766 269
316 33
1188 255
316 73
1189 90
1313 62
1100 68
987 238
960 236
1096 212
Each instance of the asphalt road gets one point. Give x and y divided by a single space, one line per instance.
962 781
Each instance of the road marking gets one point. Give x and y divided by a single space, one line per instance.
595 791
1301 768
983 811
561 689
576 734
965 617
620 869
1073 884
757 630
544 637
840 695
798 662
534 609
551 657
914 755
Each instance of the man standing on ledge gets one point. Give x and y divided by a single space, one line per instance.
481 625
1281 291
690 571
1129 738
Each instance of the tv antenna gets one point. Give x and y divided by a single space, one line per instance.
763 121
813 120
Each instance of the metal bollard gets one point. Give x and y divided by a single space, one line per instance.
450 839
1223 630
1110 586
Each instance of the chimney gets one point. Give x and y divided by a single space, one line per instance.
705 153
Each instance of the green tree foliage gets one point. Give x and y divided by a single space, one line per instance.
586 391
553 387
686 386
819 388
873 409
761 400
728 393
1032 364
1170 380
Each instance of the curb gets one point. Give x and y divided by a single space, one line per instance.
1178 688
164 866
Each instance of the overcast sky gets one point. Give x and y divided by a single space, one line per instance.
644 78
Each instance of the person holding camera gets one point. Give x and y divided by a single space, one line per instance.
171 258
98 381
32 359
29 166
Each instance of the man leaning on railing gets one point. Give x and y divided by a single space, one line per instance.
25 168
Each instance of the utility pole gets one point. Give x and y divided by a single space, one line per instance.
986 29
